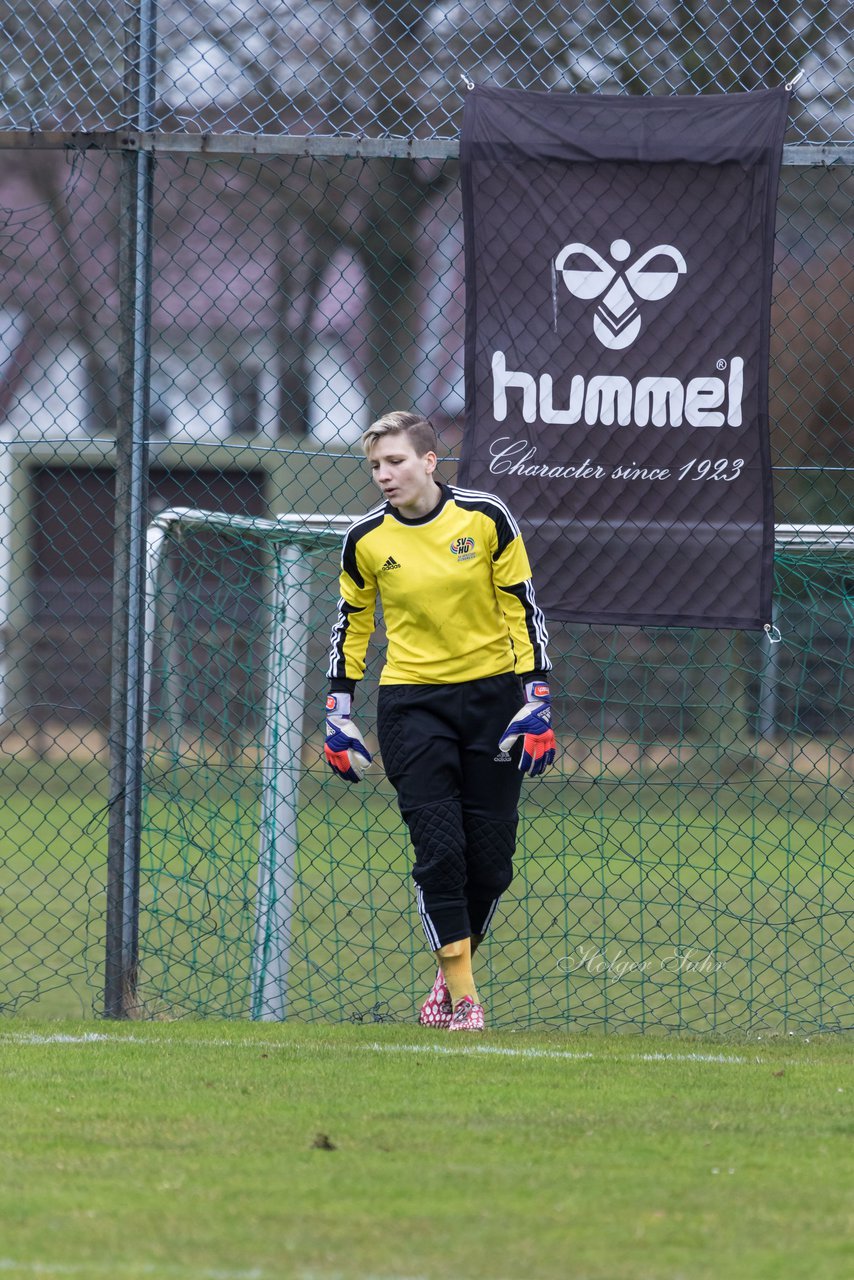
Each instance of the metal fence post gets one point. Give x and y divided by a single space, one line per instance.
128 629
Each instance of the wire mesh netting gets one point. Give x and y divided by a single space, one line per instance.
686 865
382 69
688 862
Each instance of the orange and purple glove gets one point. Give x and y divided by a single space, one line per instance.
533 724
344 748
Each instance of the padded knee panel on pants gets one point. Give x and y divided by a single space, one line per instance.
438 839
490 843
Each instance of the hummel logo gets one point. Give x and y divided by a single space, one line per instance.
391 563
586 274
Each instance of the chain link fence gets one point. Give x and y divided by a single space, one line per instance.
394 70
229 238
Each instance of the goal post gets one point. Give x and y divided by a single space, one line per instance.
802 544
700 810
288 543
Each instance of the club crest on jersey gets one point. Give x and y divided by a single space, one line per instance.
463 549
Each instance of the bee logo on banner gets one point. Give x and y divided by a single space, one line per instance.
619 253
617 321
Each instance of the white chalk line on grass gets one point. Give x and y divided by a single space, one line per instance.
572 1054
114 1268
161 1272
461 1051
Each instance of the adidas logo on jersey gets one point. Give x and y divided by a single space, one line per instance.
391 563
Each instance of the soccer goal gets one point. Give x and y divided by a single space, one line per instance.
228 617
687 864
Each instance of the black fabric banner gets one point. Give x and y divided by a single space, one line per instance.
619 254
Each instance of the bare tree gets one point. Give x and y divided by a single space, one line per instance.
54 271
317 68
650 46
61 64
391 69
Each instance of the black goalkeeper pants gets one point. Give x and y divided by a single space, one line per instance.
457 794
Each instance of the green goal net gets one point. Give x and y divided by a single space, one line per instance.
685 866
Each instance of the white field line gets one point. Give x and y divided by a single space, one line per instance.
115 1271
469 1050
556 1053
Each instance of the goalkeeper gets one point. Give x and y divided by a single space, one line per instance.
463 708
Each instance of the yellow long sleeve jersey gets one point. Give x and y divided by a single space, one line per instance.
456 593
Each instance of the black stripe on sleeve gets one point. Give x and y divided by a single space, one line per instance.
349 563
337 662
535 623
506 528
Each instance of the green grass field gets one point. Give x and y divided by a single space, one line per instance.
354 1146
216 1151
53 854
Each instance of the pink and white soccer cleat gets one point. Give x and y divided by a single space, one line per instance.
437 1008
467 1016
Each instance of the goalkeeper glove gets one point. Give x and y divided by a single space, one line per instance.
344 747
533 723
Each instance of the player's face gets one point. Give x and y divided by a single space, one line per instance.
405 478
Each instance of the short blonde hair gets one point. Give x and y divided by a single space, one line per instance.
419 432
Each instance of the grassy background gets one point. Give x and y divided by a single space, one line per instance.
252 1152
53 856
634 906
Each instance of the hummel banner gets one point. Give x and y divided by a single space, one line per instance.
619 254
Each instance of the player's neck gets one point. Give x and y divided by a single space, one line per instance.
423 503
